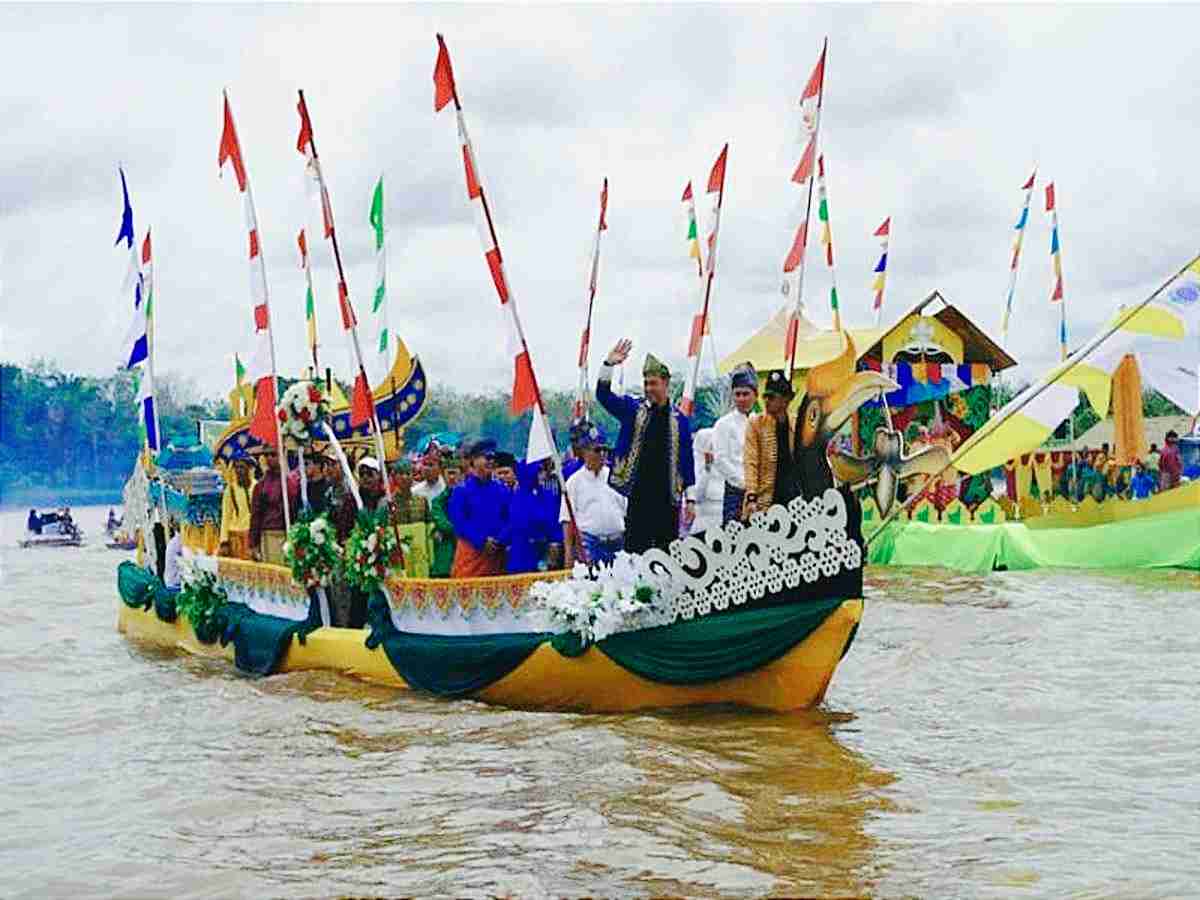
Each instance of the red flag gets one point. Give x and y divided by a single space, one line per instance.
362 404
443 78
1027 185
263 424
697 336
496 267
524 393
303 247
816 80
146 249
1058 290
687 192
253 242
805 169
604 206
1050 197
304 141
793 331
348 320
716 179
882 230
473 188
230 149
796 255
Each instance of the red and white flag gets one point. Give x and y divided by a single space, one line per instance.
583 389
261 369
524 391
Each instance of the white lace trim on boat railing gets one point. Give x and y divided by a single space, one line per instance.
780 547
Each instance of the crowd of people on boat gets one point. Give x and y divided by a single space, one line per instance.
476 511
1099 474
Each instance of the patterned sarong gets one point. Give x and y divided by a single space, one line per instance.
472 563
600 549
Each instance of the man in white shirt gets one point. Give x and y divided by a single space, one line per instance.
172 577
431 483
729 441
599 510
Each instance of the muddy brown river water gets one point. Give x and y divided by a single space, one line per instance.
1010 735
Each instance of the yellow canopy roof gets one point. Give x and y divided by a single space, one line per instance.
764 349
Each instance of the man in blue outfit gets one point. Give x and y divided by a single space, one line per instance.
479 510
652 462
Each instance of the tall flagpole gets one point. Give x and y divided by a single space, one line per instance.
446 91
804 172
583 391
348 319
231 149
1016 257
716 185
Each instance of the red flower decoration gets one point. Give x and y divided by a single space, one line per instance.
283 415
305 417
314 395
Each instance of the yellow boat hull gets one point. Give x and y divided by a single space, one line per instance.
547 680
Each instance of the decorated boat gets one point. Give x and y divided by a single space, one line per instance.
53 529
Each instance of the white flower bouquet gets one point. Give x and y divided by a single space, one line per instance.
311 551
302 411
625 596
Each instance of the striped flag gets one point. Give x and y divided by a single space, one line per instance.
693 232
524 391
310 305
827 240
793 263
134 348
883 232
716 192
261 372
1056 293
583 389
1027 187
379 303
146 384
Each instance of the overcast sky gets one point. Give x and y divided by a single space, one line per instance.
933 115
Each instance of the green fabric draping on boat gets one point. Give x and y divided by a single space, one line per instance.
141 590
450 666
1160 541
698 651
259 641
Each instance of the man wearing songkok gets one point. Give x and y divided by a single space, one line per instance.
729 441
432 483
235 511
267 522
652 461
599 510
534 537
574 460
444 538
769 447
479 511
504 469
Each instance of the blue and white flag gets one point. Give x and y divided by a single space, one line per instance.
134 348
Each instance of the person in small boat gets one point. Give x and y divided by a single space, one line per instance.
66 525
652 461
769 447
112 523
234 538
534 536
172 574
599 510
444 538
710 487
432 482
729 441
34 522
479 510
267 521
1170 464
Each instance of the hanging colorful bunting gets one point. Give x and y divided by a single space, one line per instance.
583 389
827 240
1027 187
310 306
383 349
693 231
716 192
1056 294
883 232
922 382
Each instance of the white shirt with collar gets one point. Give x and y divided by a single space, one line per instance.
172 577
729 447
429 491
599 510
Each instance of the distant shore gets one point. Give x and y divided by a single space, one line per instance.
34 497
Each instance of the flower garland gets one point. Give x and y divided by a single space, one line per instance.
302 411
371 550
624 596
310 550
202 599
